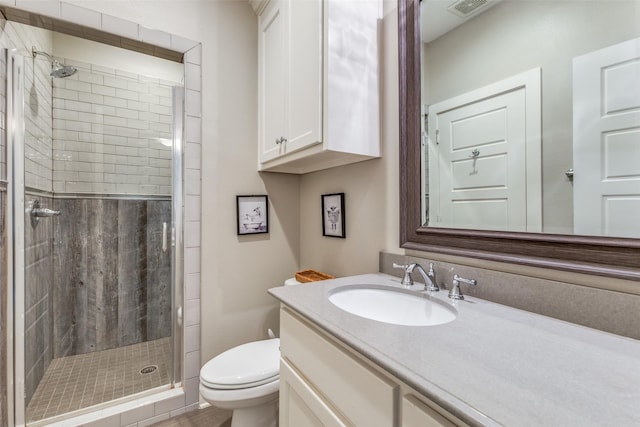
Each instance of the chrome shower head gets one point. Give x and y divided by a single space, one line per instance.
58 70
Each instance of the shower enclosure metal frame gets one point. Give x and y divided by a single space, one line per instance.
177 233
16 407
15 235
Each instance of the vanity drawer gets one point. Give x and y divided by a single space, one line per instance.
416 413
361 395
300 405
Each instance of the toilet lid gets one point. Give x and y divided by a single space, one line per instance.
247 365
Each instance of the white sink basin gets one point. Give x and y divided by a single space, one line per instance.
392 305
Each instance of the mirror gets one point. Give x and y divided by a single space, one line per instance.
551 244
513 134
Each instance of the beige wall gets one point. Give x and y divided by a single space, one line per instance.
237 271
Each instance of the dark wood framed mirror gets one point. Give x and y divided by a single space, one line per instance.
602 256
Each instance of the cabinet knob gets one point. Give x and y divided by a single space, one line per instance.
281 140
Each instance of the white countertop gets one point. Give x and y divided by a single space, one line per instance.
493 365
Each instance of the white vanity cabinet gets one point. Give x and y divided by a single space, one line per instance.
300 405
318 91
325 383
417 413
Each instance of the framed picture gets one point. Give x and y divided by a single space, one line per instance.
253 214
333 215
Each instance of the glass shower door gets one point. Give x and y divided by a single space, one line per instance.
96 195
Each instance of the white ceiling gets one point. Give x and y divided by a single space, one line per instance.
436 20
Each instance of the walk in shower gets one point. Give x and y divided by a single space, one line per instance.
93 162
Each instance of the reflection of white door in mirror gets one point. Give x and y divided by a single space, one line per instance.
606 129
484 157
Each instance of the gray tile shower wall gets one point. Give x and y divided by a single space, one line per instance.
38 296
126 305
158 270
113 280
606 310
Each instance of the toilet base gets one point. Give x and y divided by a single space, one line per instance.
265 415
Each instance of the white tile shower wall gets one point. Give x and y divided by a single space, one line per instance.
193 191
111 132
37 83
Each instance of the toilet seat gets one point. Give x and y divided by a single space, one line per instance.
217 386
242 397
248 365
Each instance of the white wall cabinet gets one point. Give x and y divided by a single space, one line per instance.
325 383
318 91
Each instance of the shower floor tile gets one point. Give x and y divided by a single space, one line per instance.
76 382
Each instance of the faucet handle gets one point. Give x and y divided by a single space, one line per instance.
432 276
455 292
407 280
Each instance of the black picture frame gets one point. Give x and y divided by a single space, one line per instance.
252 214
333 215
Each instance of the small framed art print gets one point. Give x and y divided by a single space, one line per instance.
333 224
253 214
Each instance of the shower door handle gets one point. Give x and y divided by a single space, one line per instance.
37 212
164 237
44 212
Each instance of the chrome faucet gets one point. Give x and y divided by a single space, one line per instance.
455 292
430 282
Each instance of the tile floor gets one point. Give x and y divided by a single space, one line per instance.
208 417
76 382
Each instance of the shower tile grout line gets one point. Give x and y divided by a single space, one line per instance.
76 382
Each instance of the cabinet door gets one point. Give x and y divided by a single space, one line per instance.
416 413
272 79
300 405
363 396
304 85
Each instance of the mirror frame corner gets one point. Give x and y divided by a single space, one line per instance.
602 256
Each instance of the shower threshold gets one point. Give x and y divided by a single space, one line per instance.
77 382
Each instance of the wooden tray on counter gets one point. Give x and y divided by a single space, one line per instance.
312 276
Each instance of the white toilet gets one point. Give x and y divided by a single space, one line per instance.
245 379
